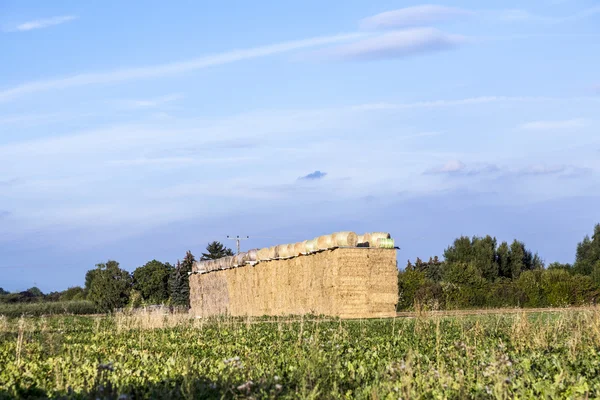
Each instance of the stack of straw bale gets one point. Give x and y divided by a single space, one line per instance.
284 251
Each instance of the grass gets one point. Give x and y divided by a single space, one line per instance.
152 355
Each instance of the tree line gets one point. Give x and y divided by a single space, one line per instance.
109 287
478 272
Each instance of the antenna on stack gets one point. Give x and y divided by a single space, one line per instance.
237 240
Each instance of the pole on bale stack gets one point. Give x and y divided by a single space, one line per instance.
237 239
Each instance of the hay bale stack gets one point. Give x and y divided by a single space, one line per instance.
347 282
345 239
325 242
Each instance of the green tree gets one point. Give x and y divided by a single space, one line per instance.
152 281
35 292
516 259
588 253
109 286
216 250
503 257
180 281
484 257
72 293
3 292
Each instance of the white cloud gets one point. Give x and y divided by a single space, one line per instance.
413 16
154 71
44 23
555 125
151 102
396 44
457 167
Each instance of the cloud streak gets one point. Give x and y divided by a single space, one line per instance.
397 44
44 23
413 16
155 71
569 124
458 168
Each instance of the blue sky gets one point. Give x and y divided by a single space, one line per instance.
139 130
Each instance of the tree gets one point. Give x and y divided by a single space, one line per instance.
588 253
516 258
152 281
35 292
3 292
72 293
216 250
503 256
180 281
109 286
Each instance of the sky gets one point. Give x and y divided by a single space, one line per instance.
135 130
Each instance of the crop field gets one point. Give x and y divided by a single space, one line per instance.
148 355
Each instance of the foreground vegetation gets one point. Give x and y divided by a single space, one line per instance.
545 355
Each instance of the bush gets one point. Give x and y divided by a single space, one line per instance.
48 308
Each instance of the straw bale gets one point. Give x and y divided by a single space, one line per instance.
251 255
349 239
345 282
263 254
375 236
385 243
273 252
239 259
311 246
282 251
325 242
290 250
299 248
227 262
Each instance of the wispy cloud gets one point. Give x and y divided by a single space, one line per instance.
458 168
154 71
554 125
450 103
44 23
313 176
413 16
520 15
174 161
396 44
565 171
151 102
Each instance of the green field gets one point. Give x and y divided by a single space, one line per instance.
543 355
